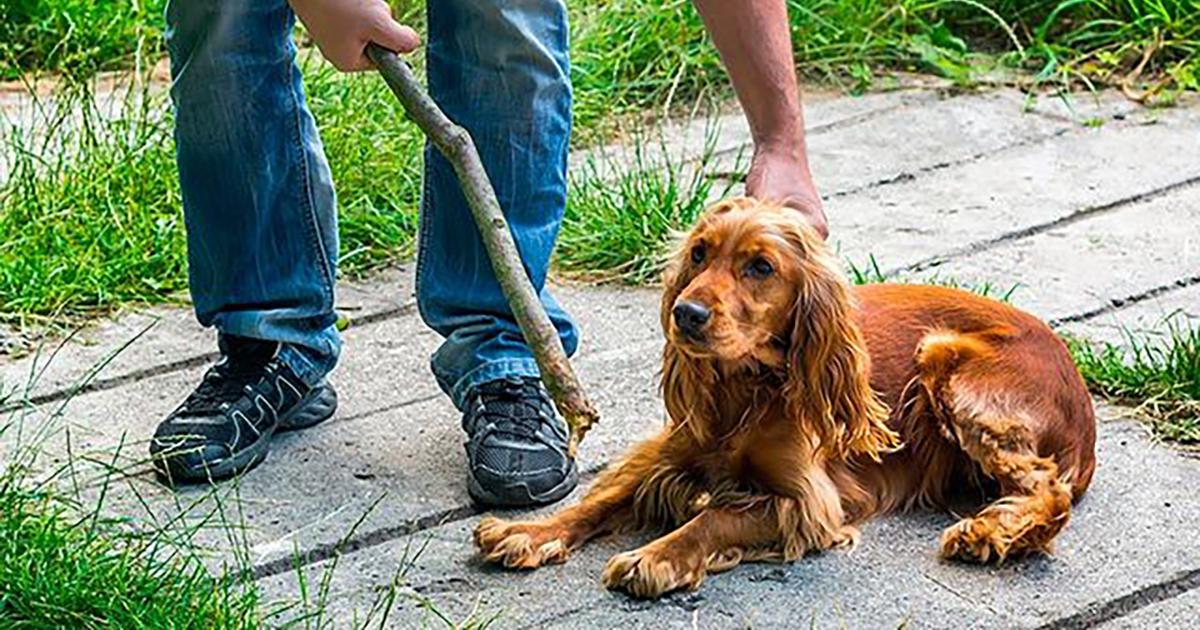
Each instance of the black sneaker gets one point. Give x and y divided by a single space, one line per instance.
225 426
517 446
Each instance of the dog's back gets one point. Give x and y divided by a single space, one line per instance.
976 385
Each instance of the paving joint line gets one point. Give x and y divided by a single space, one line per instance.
1040 228
1108 610
376 537
908 176
99 385
832 125
1116 304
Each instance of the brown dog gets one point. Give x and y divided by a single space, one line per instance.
800 406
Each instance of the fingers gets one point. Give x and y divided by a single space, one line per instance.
395 36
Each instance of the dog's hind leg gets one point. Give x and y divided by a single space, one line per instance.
995 427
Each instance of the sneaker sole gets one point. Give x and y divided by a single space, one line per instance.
518 495
317 406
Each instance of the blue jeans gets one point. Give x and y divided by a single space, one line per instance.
260 207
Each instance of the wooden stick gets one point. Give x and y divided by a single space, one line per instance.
456 145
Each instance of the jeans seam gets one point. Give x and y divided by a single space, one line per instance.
310 223
308 371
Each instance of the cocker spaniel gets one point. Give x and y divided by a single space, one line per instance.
800 406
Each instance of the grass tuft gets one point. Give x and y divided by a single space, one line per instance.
618 228
58 570
871 273
1160 374
77 37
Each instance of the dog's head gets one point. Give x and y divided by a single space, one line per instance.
754 288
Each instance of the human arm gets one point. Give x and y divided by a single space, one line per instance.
755 43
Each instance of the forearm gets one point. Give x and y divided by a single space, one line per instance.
755 43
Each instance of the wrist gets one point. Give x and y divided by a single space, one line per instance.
784 145
788 154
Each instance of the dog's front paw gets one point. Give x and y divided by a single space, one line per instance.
976 540
520 545
652 571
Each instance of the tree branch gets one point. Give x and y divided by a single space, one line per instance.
456 145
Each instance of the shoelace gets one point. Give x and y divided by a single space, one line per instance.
513 407
220 387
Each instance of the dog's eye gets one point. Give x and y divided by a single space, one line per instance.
698 254
759 268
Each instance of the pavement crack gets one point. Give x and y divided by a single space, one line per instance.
376 537
194 361
1116 304
908 176
1033 230
1100 612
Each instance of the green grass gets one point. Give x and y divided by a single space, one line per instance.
60 570
1159 373
77 36
870 273
618 227
91 219
630 55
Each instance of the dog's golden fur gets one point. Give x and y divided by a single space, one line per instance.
805 406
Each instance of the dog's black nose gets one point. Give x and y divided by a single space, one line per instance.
691 317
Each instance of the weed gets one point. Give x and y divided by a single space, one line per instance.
1159 372
870 273
619 229
77 36
91 215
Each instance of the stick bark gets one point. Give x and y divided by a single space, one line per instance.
456 145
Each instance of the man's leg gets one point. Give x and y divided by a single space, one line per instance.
262 234
500 70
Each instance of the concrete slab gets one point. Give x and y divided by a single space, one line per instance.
1088 264
685 141
905 142
1013 192
1072 212
1123 536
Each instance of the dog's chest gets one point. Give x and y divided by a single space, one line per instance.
759 458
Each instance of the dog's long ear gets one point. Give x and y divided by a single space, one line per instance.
828 387
687 383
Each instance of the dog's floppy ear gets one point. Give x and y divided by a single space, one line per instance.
687 382
828 387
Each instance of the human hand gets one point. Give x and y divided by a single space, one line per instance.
782 176
343 28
